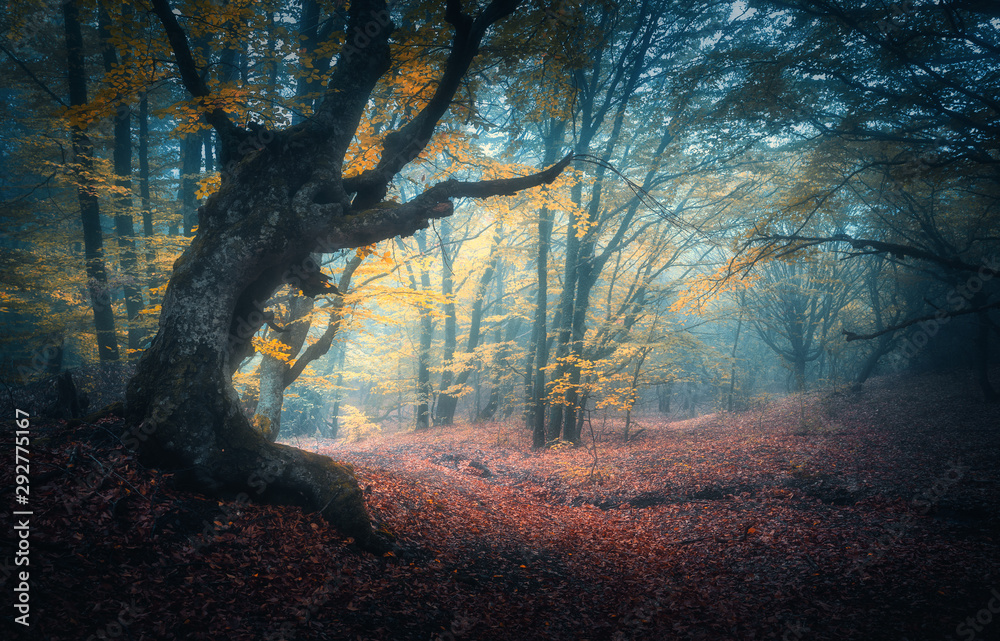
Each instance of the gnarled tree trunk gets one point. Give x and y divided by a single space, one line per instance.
251 238
283 197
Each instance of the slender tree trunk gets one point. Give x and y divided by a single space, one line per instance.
144 195
447 403
502 387
565 329
272 371
124 224
536 402
885 341
732 355
148 230
90 212
529 373
799 365
339 395
588 270
208 150
883 347
125 231
423 371
663 392
586 279
503 335
444 413
633 392
424 390
277 375
190 169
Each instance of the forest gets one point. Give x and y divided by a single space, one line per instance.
500 319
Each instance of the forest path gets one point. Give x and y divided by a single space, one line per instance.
736 527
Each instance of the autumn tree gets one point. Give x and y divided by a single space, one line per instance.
90 214
630 81
797 306
900 101
279 201
287 353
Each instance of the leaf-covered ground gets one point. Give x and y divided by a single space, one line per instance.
834 516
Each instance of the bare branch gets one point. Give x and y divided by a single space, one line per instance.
229 133
386 220
877 247
404 144
33 77
938 315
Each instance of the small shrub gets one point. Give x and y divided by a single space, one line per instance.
355 426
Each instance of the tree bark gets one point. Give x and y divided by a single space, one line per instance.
277 375
444 412
190 168
732 355
267 415
448 403
124 224
424 391
334 422
90 212
144 195
284 198
251 237
536 402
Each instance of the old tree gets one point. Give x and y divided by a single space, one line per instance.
285 194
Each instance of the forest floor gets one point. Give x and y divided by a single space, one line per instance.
828 516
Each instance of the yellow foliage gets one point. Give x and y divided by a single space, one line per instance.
208 185
262 424
705 288
272 347
355 425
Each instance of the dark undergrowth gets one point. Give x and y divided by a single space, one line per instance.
830 516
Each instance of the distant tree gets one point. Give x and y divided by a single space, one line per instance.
798 306
90 208
285 359
897 105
